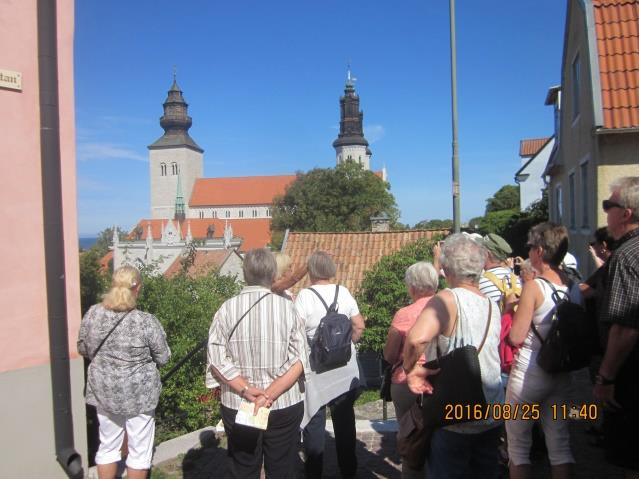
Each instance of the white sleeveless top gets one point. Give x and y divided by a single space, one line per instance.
472 311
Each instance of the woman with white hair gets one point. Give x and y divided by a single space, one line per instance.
421 281
256 351
336 388
125 346
458 316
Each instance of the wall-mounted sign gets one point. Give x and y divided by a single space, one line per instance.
10 80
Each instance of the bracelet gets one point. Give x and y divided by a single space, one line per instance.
603 381
244 389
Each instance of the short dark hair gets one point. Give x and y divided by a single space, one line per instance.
553 238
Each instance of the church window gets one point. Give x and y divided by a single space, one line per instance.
201 214
241 213
174 168
349 157
163 169
213 214
254 213
268 212
228 214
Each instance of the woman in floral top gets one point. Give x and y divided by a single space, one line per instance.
123 381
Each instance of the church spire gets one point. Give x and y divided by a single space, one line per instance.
180 213
350 143
175 121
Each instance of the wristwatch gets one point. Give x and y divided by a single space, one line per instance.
603 381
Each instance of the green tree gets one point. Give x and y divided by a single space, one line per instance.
516 230
333 199
383 291
105 239
93 282
433 224
185 307
496 221
506 198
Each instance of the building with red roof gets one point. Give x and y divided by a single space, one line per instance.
596 115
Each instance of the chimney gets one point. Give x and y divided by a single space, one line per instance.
380 223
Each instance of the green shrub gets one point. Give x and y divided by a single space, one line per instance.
185 307
383 291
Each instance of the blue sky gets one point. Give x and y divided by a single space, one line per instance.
263 81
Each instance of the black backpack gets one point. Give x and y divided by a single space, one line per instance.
572 338
331 345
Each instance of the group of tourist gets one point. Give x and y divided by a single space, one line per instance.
259 341
477 268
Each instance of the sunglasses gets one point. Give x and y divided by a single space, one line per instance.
608 204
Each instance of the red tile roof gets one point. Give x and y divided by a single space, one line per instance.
203 263
246 190
255 232
531 146
354 253
617 31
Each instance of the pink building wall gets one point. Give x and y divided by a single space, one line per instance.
24 338
27 441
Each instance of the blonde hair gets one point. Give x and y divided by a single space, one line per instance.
120 297
283 263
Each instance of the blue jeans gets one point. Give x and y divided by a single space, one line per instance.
455 456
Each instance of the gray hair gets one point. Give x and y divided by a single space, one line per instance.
321 266
259 268
553 238
463 258
628 189
422 277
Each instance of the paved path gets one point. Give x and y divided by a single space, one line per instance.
376 448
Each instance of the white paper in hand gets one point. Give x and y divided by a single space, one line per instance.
245 416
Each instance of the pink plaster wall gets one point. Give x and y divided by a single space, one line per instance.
24 338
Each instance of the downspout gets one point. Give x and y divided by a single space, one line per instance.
54 254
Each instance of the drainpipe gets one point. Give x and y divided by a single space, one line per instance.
54 254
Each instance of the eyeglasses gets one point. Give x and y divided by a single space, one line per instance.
608 204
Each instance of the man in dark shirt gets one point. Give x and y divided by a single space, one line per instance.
616 385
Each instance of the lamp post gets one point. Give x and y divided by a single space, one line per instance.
453 84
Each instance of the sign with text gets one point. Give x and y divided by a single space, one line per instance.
10 80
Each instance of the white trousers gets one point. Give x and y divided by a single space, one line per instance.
529 384
140 432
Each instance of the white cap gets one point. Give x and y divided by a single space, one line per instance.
570 261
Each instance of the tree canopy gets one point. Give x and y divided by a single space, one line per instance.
506 198
433 224
334 199
383 291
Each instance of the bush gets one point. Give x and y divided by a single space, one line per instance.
185 307
383 291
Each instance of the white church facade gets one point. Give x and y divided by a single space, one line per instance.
217 213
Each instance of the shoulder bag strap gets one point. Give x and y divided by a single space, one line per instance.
322 299
334 305
490 317
109 333
457 308
555 298
244 315
493 278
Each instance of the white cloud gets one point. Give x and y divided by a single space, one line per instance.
374 133
106 151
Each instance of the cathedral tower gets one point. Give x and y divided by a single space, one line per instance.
173 157
350 143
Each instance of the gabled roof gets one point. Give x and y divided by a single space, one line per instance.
245 190
204 262
617 36
522 170
353 253
255 232
531 146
